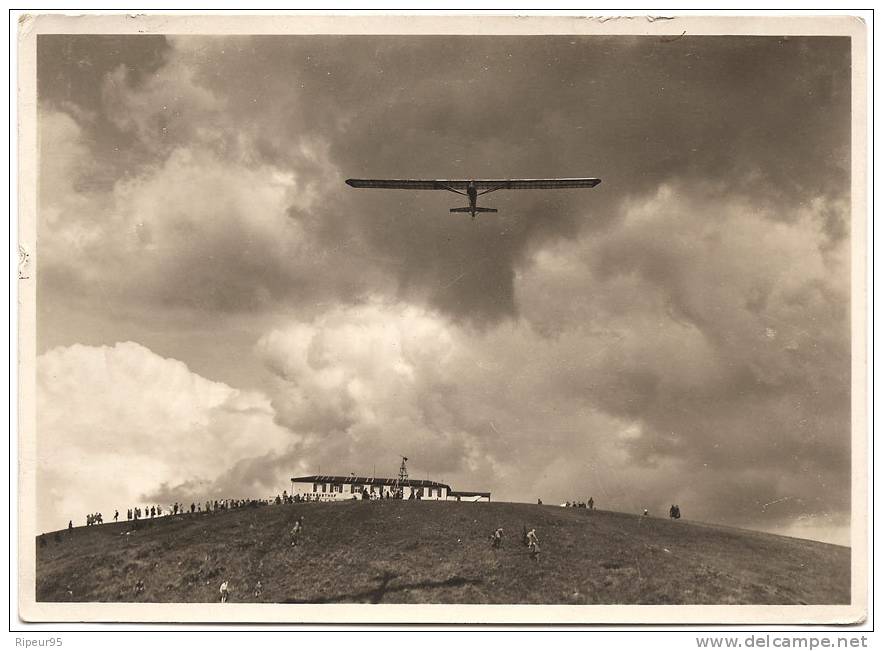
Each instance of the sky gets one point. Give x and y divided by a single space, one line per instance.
217 312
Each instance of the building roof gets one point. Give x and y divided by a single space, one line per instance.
370 481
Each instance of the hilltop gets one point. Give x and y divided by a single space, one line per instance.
437 552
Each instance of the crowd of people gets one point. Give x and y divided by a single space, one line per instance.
136 513
94 518
151 511
590 504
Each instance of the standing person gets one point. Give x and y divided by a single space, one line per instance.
225 592
524 538
497 538
533 545
70 525
591 503
677 512
116 515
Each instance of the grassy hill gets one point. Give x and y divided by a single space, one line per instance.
425 552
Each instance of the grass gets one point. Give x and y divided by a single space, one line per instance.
437 552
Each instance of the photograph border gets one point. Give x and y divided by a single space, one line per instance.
31 26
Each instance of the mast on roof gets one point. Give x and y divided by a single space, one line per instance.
403 470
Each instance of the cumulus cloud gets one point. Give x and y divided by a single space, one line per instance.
370 382
723 336
115 423
196 230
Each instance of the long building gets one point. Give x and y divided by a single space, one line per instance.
348 487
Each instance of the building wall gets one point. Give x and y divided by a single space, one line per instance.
469 498
439 493
327 491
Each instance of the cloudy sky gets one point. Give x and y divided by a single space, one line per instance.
218 312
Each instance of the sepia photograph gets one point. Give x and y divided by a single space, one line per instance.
403 319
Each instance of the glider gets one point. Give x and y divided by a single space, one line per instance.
473 188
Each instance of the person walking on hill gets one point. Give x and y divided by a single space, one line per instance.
497 538
297 531
533 545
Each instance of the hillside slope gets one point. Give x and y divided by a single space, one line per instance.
425 552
